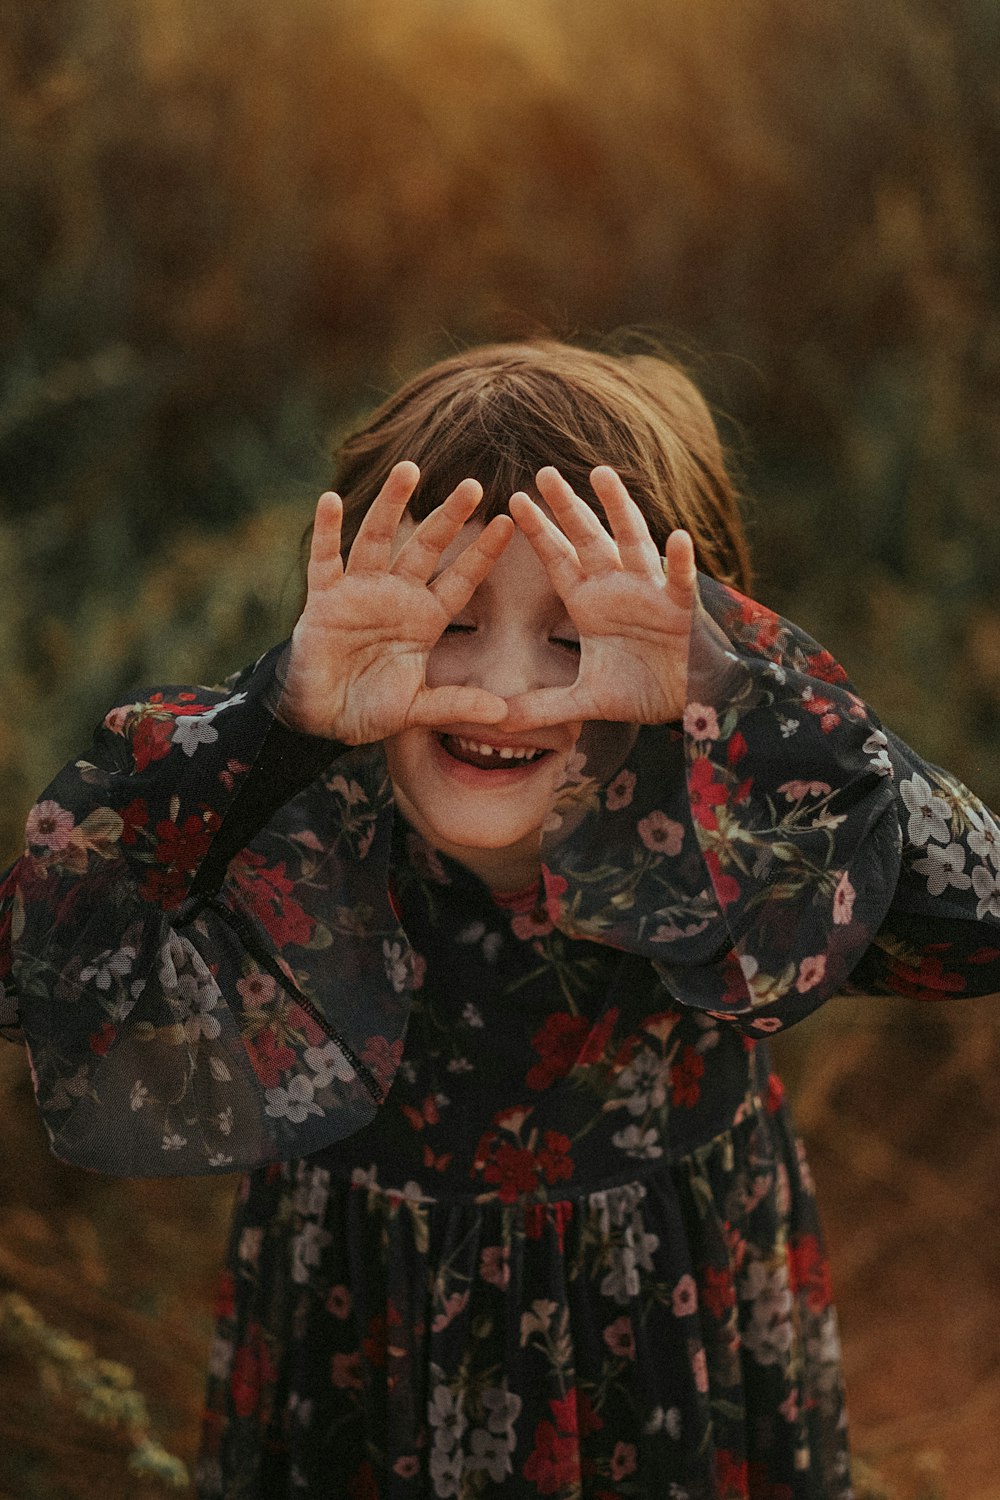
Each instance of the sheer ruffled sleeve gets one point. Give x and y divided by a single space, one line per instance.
779 845
191 1010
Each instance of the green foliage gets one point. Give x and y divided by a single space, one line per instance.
101 1391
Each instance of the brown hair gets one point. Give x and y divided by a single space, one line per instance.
501 412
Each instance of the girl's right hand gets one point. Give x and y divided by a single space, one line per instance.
358 655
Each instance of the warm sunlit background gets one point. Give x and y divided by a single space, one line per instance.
227 229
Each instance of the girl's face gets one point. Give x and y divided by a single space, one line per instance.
456 784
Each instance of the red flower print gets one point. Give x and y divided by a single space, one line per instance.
717 1291
555 1461
736 749
574 1413
134 817
559 1044
620 1338
822 665
727 889
537 1215
182 848
382 1058
685 1090
600 1034
554 1158
531 924
808 1272
253 1371
927 981
775 1094
100 1041
151 741
374 1343
705 794
514 1171
427 1114
731 1475
761 627
271 1059
166 888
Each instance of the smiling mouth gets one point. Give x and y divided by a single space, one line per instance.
490 757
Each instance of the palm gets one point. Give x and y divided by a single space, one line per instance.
634 617
359 652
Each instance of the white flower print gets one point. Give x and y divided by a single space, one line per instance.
174 1142
445 1415
193 730
635 1141
110 965
307 1250
504 1408
446 1470
700 722
943 867
201 1022
984 835
396 966
489 1452
987 887
644 1082
139 1095
770 1335
327 1063
293 1103
877 746
929 813
472 1015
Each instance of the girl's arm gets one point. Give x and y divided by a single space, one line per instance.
778 845
164 939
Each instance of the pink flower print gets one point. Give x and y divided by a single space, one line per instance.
699 1368
700 722
257 990
620 1338
407 1466
555 886
661 834
50 825
453 1305
795 791
620 791
843 901
811 971
338 1302
684 1298
531 924
623 1460
494 1265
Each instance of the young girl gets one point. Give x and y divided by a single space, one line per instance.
462 920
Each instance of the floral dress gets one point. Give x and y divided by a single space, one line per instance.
524 1213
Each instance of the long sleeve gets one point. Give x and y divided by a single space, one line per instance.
167 955
779 845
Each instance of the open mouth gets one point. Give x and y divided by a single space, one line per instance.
491 757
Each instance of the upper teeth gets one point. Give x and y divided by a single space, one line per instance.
505 752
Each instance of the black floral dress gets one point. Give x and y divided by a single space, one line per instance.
525 1214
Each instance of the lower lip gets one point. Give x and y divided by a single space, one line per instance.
461 771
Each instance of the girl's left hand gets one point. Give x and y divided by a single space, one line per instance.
632 607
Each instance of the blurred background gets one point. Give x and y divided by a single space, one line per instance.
227 231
